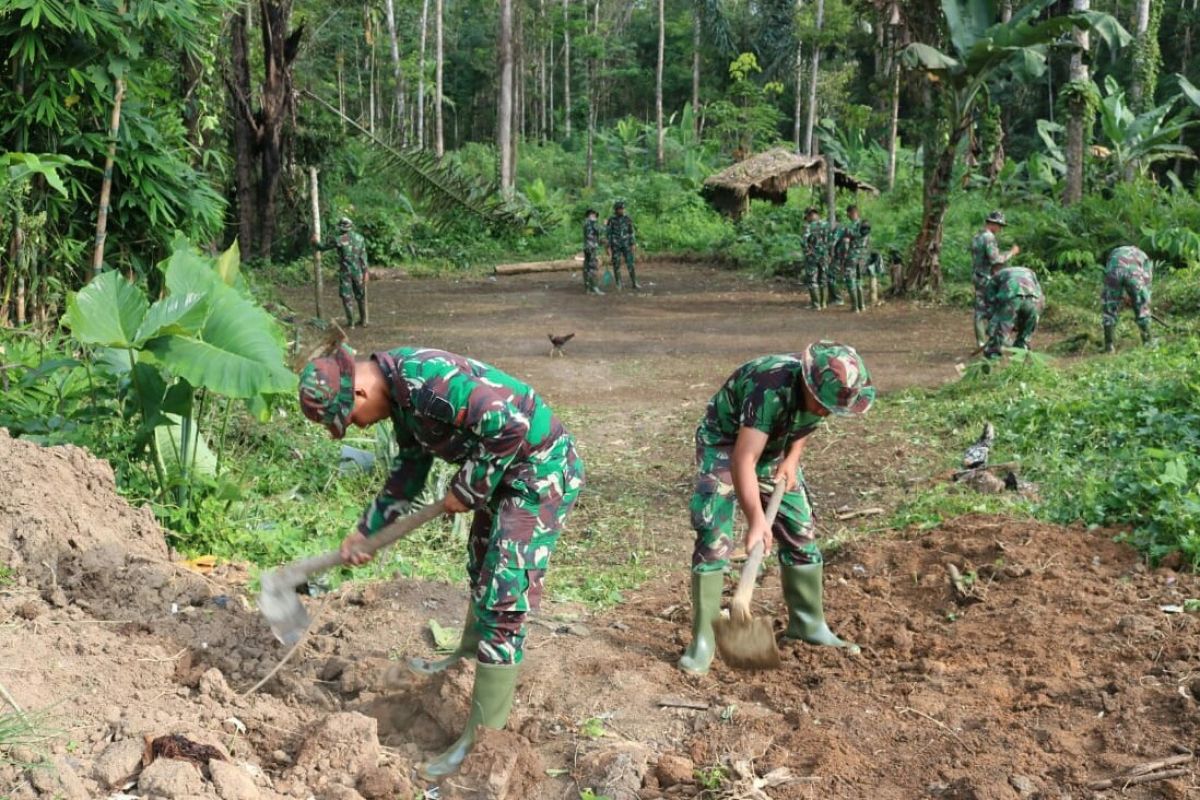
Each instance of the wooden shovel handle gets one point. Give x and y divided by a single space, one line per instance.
739 607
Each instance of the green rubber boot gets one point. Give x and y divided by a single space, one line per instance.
633 280
491 701
1109 347
858 299
806 614
706 605
834 297
824 297
815 300
1144 327
981 336
466 649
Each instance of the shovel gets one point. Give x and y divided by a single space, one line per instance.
278 600
746 642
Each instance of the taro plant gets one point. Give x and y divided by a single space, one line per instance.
205 340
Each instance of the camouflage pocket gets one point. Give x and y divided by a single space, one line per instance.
514 571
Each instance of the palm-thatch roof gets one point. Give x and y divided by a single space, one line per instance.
768 176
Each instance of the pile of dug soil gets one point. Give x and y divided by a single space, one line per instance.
1047 664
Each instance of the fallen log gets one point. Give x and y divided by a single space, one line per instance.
565 265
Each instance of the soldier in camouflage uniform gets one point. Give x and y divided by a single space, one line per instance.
1128 274
985 259
856 244
352 268
519 473
619 233
816 257
1014 304
591 252
753 434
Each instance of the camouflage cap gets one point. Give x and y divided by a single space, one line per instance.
345 222
997 218
618 204
327 390
838 378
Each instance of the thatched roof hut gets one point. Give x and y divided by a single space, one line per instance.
768 176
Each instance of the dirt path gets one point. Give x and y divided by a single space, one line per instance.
1055 667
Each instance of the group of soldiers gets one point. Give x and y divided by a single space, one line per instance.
1009 299
621 240
839 253
520 475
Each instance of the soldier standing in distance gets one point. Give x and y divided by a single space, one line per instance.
619 233
352 268
591 252
986 258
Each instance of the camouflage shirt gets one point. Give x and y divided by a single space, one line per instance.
842 236
591 236
1132 260
859 246
464 412
619 231
1011 283
352 251
985 254
816 241
764 394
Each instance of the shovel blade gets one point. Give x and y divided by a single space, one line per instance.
746 645
282 609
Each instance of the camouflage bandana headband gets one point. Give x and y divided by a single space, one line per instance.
838 378
327 390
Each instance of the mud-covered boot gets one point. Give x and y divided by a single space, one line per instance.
633 280
802 589
466 649
1109 347
706 605
814 299
834 297
821 291
857 294
981 336
491 701
362 312
1144 328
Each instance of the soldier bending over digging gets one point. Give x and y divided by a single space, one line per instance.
520 475
752 436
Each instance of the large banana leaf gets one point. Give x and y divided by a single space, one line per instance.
106 312
236 353
444 190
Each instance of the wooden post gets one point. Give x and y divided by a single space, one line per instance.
316 227
106 183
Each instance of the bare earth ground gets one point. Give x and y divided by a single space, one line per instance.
1057 670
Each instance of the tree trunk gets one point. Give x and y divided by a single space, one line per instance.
1076 123
1141 27
371 88
106 180
924 268
421 77
831 188
658 80
245 134
519 118
542 125
1006 9
567 71
341 82
696 68
277 95
314 196
390 10
439 142
504 105
893 124
812 88
799 106
592 102
190 78
550 86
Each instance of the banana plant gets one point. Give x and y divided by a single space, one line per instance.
1140 140
983 50
205 337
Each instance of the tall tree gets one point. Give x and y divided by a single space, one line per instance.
697 27
1144 80
421 76
397 84
982 50
1079 110
658 85
812 81
504 104
567 69
799 105
439 141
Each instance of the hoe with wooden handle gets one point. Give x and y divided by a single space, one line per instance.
278 600
743 641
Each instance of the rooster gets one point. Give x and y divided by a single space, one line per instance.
976 456
557 343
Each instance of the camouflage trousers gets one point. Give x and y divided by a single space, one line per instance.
981 283
714 503
1019 315
836 272
619 252
1122 282
509 548
591 266
350 284
816 273
855 272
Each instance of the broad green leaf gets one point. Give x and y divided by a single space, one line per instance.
178 399
930 58
188 272
177 314
171 446
1188 90
228 264
237 353
967 21
107 311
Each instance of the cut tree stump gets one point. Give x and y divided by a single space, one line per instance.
565 265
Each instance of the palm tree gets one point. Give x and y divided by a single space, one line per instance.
982 50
